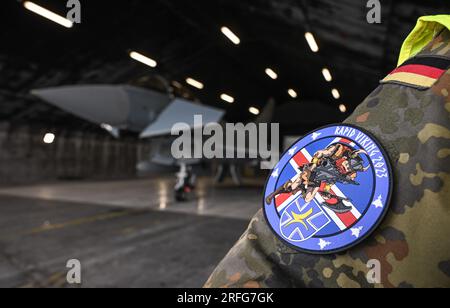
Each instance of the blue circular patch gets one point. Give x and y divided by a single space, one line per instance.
329 191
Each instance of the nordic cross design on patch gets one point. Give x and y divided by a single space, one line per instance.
329 191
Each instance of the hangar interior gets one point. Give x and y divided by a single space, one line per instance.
75 187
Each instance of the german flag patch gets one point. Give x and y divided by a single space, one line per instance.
419 72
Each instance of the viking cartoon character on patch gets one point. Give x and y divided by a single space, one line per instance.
337 163
329 191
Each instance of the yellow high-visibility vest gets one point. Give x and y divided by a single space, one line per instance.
426 29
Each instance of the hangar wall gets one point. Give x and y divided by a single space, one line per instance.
25 159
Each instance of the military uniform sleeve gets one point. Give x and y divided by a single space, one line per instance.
413 242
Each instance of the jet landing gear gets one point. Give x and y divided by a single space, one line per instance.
185 184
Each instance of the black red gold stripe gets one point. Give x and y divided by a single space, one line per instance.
421 72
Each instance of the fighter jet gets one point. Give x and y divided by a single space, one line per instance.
125 107
151 114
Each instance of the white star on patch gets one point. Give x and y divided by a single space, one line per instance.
292 151
275 174
323 244
356 231
379 202
315 135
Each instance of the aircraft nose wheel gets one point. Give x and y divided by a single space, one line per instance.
185 184
181 195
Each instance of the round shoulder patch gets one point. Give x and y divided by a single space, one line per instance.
329 191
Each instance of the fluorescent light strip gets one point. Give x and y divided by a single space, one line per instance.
271 73
253 110
227 98
292 93
336 94
230 35
327 75
176 84
311 41
143 59
195 83
48 14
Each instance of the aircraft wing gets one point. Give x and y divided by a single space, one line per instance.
181 111
121 106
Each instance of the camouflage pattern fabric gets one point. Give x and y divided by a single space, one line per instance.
413 243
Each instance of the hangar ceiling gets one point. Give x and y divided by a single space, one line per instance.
184 38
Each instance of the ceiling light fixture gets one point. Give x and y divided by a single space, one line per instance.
342 108
327 75
49 138
292 93
230 35
311 41
336 94
33 7
270 72
254 110
176 84
195 83
143 59
227 98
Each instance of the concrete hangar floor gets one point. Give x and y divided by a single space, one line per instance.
125 233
